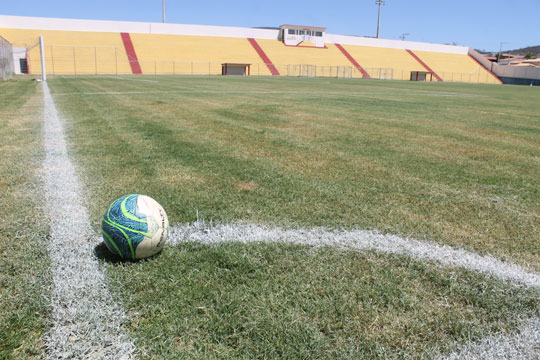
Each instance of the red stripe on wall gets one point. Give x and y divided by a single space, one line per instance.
488 70
131 54
424 65
263 56
353 61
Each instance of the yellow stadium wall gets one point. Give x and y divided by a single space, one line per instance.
457 67
79 52
72 52
373 58
323 58
168 54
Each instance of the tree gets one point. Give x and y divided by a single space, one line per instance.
530 56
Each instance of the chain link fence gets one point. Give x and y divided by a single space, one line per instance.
6 59
103 60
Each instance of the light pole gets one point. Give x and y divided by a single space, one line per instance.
163 7
379 2
500 51
403 36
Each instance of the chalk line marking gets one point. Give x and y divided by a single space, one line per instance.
355 240
127 79
87 322
263 92
524 343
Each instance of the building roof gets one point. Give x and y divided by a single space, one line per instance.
521 62
286 26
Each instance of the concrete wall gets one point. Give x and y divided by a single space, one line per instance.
23 22
519 75
395 44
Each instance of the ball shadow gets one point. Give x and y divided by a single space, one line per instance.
103 254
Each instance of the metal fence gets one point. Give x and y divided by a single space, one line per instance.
110 60
6 59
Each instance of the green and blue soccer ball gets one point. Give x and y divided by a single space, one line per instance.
135 227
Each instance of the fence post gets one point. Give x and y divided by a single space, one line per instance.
74 62
52 60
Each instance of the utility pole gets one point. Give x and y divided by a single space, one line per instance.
163 7
379 2
500 51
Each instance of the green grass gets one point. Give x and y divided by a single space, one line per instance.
398 157
24 273
270 301
451 163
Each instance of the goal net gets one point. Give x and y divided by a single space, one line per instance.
6 59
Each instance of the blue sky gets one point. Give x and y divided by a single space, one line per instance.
479 24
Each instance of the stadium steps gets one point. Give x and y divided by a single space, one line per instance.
189 54
421 62
489 71
291 60
457 67
377 60
264 57
131 54
353 61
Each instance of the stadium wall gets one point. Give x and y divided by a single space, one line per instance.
38 23
98 47
509 74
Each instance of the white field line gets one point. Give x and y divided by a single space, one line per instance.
128 79
355 240
87 323
522 344
264 92
195 91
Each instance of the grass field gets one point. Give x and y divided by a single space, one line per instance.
24 270
446 163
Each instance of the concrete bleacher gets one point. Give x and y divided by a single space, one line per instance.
179 54
116 47
72 52
323 58
375 58
457 67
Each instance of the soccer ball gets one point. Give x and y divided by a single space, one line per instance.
134 227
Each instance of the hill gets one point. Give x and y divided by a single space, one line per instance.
524 51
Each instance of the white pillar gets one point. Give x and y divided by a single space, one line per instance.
42 52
